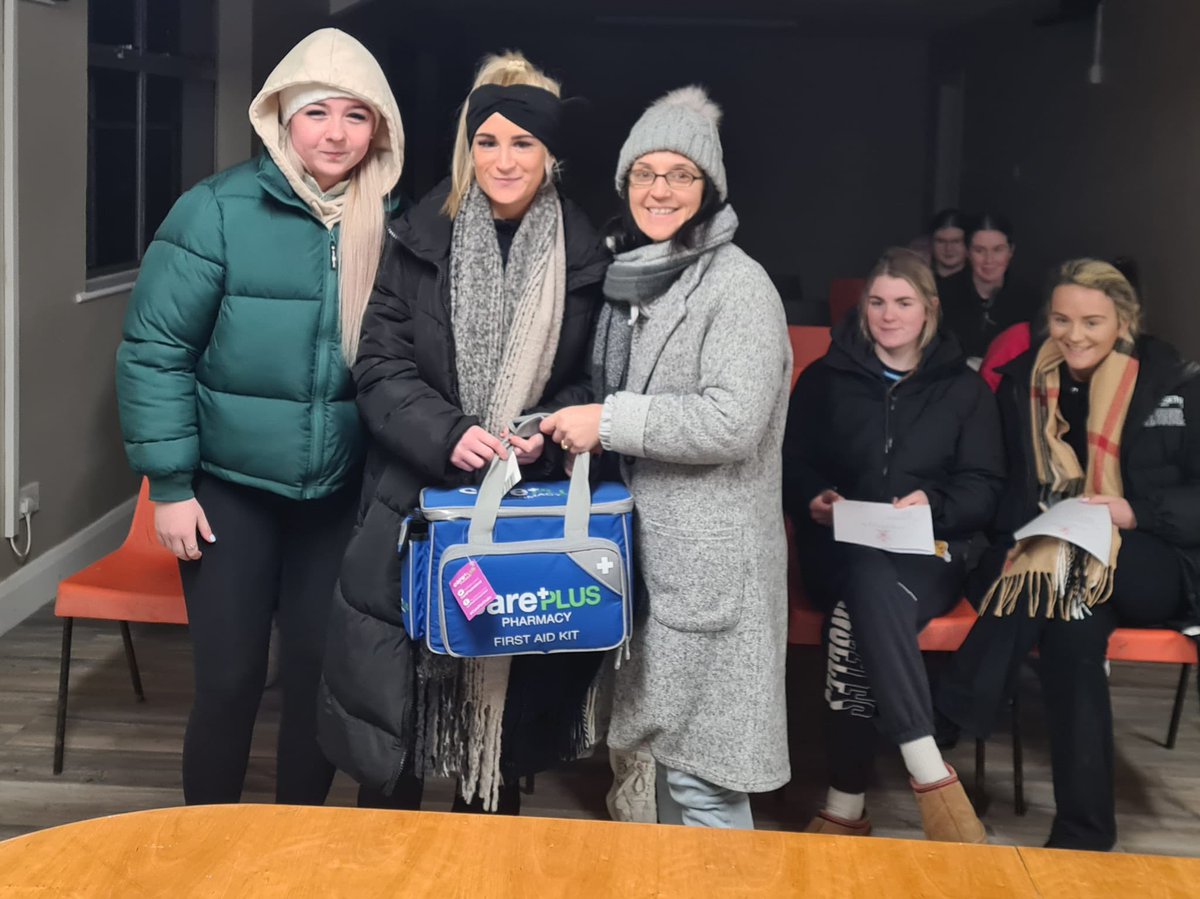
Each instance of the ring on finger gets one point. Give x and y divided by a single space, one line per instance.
566 444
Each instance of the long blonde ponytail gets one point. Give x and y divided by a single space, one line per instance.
361 247
361 243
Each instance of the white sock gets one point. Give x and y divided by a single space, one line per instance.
847 806
923 760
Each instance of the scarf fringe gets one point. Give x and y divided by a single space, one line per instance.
1046 592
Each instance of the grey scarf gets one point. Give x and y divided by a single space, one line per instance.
506 322
635 278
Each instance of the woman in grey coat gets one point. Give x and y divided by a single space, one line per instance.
693 360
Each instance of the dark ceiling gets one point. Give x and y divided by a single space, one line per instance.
909 15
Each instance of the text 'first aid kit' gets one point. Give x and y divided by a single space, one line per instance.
546 568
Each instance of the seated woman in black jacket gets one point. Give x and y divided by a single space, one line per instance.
891 414
1100 412
984 299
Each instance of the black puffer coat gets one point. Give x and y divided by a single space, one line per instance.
408 398
1160 457
870 439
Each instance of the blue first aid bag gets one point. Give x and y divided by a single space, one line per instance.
556 555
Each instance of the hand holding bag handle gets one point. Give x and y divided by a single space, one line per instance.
491 491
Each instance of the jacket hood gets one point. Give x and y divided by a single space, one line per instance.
850 350
333 58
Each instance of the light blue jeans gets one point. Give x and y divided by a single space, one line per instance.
692 801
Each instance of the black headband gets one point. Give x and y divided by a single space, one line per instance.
536 110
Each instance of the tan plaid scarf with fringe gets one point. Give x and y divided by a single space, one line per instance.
1057 577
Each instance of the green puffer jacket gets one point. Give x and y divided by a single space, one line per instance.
230 361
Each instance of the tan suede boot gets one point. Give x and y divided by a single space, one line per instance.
832 824
946 813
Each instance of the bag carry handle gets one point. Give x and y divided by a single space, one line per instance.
491 492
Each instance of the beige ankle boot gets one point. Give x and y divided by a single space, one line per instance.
946 813
832 824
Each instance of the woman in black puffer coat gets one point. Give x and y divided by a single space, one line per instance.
891 414
422 381
1118 422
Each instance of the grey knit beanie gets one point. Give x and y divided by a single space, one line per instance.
684 121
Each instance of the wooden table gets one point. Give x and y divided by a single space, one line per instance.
1065 875
264 851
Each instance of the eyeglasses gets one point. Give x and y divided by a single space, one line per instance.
676 178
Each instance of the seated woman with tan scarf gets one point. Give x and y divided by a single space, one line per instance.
1102 412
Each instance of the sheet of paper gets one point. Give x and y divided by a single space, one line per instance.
883 526
1086 525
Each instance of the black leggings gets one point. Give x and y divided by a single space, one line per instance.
1147 591
878 602
274 557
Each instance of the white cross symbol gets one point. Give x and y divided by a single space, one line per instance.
605 565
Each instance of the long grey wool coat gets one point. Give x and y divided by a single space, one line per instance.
700 425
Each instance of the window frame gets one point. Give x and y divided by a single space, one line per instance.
115 278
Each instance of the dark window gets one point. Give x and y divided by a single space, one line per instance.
151 105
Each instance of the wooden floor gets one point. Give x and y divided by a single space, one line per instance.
122 755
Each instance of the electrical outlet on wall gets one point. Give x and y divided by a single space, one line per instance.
28 500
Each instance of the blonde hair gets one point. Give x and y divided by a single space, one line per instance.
361 243
505 69
898 262
1106 278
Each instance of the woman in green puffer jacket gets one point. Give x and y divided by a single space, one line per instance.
236 401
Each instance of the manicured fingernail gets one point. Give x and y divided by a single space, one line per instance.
212 538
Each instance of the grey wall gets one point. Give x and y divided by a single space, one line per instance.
235 75
68 433
1081 169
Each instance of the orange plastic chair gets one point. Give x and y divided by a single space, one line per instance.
844 294
137 582
809 343
1158 646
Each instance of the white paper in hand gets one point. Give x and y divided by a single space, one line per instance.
883 526
1086 525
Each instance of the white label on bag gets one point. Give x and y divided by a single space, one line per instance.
512 471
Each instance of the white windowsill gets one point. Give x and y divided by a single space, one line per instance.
107 286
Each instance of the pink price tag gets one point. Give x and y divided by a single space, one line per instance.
472 590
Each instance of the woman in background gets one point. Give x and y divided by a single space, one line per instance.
990 300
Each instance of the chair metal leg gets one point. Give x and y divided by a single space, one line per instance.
1177 709
1018 751
64 675
981 800
134 675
